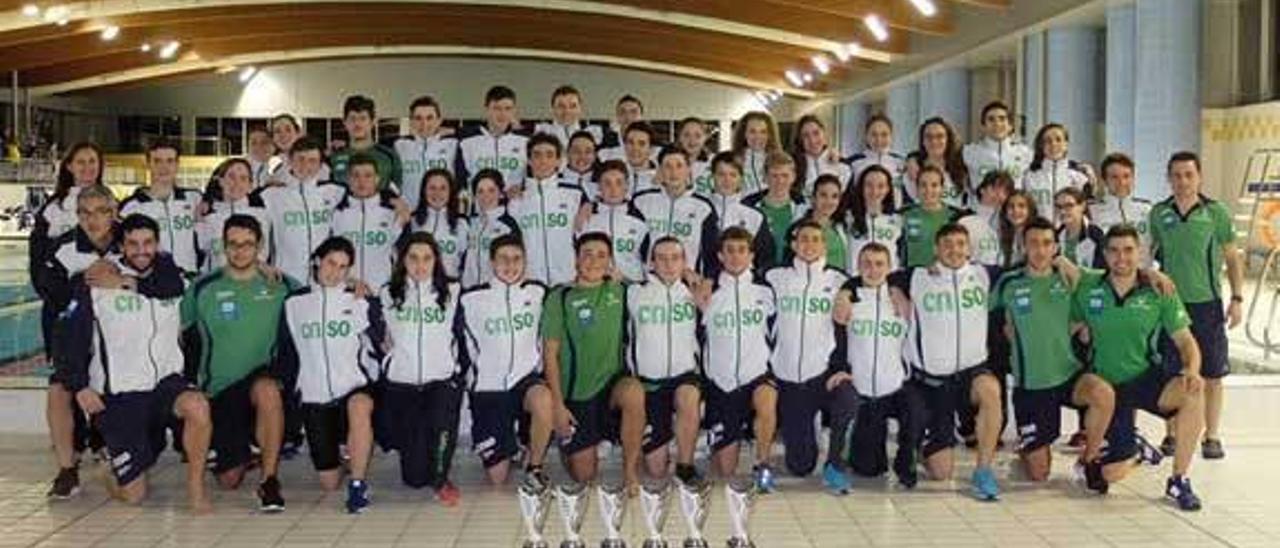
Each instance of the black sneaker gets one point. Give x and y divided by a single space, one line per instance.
1179 489
269 499
1168 446
66 485
1093 478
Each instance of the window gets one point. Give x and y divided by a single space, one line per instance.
232 138
206 136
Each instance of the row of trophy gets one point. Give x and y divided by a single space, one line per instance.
695 502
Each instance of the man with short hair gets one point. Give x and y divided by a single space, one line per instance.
1033 303
566 117
676 210
360 117
638 151
738 311
301 210
626 111
285 131
546 209
1119 205
428 146
498 144
368 218
583 326
1193 239
1122 318
780 203
662 324
229 320
124 364
175 209
947 349
261 152
997 151
809 359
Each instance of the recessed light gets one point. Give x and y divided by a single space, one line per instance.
247 74
31 10
110 32
144 48
877 27
808 78
170 49
795 78
820 62
925 7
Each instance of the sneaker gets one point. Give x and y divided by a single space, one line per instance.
1147 453
357 496
269 499
835 480
1179 489
1093 478
289 450
984 484
66 485
535 481
1211 449
904 467
764 478
448 494
1168 446
1077 440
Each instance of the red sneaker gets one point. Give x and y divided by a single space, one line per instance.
448 494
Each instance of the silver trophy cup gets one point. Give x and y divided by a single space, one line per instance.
695 502
534 504
740 496
655 500
573 510
613 508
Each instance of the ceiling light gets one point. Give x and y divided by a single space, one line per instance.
795 78
56 14
925 7
31 10
144 47
169 49
63 22
777 94
247 74
111 32
820 63
877 27
808 78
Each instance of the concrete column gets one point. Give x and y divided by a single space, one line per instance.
1122 69
1071 88
1033 77
903 108
850 118
945 93
1167 90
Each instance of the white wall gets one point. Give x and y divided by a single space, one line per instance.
317 89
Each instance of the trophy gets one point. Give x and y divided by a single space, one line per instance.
654 498
535 500
695 502
573 509
739 496
613 507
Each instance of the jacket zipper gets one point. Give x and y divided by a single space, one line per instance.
669 320
804 301
737 326
417 287
511 338
875 348
542 221
324 337
955 288
151 341
363 237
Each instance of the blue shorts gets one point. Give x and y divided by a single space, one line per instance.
729 414
494 419
1039 414
1209 328
133 426
660 407
1141 393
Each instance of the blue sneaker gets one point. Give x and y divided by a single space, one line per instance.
1179 489
765 480
1147 453
357 496
835 480
984 484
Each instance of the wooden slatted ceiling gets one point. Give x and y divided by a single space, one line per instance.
48 54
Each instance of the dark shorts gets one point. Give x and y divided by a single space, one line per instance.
870 432
133 425
944 397
494 417
326 429
234 423
596 421
1141 393
1209 328
1039 414
729 414
660 407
